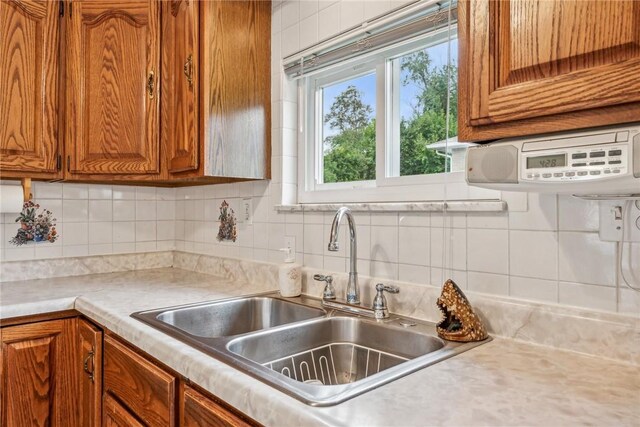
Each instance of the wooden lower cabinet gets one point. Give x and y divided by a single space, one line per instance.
38 374
66 372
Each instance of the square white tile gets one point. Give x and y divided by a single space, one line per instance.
124 210
533 289
584 258
100 233
488 250
100 210
495 284
533 254
414 245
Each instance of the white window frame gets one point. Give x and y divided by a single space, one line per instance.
428 187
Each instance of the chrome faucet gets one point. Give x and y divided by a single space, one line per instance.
353 291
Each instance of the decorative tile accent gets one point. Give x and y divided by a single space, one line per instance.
35 226
227 230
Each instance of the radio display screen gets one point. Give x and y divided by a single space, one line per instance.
552 161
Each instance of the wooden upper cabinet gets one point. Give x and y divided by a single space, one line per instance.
180 84
29 73
39 374
236 115
113 66
533 66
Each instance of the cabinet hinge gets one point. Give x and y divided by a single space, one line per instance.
68 163
61 8
59 162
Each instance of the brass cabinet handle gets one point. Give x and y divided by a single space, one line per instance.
85 364
188 70
151 84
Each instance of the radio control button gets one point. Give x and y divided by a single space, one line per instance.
615 162
558 174
597 154
530 175
570 174
607 171
616 171
597 163
579 156
546 175
615 152
594 173
536 175
579 164
622 136
583 173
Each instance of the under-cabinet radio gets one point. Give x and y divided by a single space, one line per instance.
603 161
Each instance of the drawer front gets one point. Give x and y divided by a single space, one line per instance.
200 411
147 391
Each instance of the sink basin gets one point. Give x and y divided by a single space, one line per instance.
232 317
319 356
338 350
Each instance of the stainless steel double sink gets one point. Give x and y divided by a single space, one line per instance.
319 356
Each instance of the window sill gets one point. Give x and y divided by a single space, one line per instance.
452 206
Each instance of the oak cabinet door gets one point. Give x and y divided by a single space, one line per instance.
147 390
38 381
236 115
113 59
90 363
180 77
559 64
29 73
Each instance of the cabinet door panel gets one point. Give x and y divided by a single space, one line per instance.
532 58
180 84
113 66
235 111
143 387
90 352
39 381
29 72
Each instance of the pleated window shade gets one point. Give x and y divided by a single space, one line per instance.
406 23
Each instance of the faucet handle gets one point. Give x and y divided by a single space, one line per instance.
389 288
380 310
329 292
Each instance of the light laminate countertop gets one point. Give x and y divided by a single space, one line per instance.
503 382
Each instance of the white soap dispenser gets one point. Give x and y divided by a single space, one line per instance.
289 275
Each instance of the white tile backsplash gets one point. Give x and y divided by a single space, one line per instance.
100 210
488 250
587 296
542 214
533 254
533 289
584 258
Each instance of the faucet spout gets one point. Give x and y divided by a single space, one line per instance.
353 291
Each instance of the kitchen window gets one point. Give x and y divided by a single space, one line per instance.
381 125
